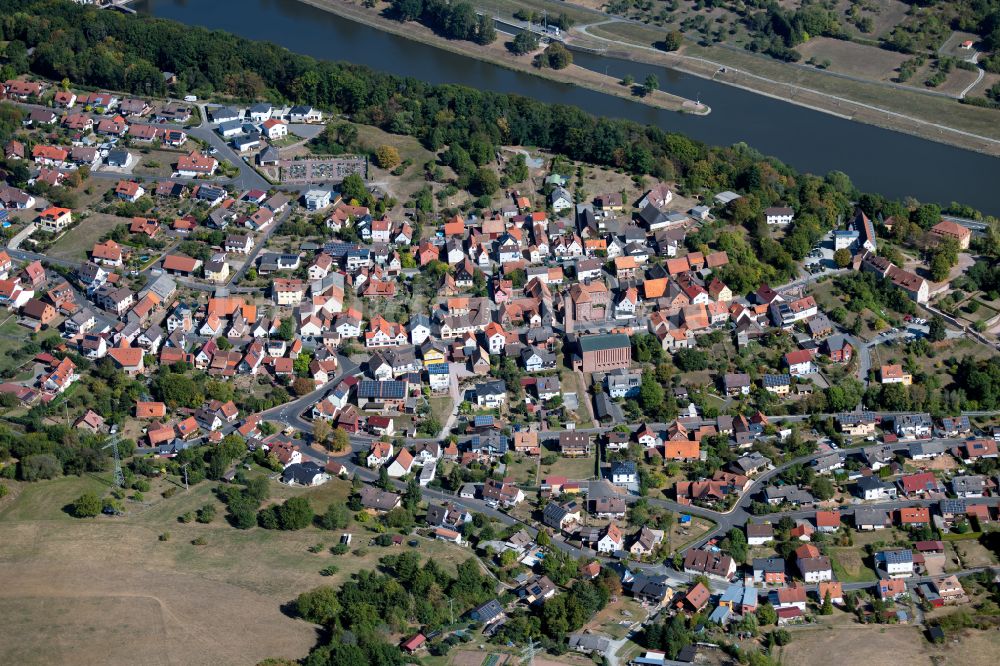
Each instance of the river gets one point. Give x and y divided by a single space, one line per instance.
877 160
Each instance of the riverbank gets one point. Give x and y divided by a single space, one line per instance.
497 54
876 112
849 100
922 113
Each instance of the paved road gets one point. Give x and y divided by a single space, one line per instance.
291 414
740 514
258 246
248 179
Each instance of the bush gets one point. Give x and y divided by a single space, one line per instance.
206 514
340 549
200 541
556 56
86 505
165 536
523 43
186 517
39 467
335 518
319 606
329 571
294 514
781 637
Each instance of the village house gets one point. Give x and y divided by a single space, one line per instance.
712 564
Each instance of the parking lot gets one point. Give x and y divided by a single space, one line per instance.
820 258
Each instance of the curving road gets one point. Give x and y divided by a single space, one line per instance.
290 414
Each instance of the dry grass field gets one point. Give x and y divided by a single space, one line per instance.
108 591
971 553
849 566
609 621
853 59
887 646
572 468
77 242
681 535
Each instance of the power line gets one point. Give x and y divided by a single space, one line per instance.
119 475
528 653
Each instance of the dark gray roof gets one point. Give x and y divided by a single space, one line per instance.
301 473
604 408
776 380
604 341
624 467
900 556
871 483
769 564
487 612
375 498
436 514
870 515
554 513
495 387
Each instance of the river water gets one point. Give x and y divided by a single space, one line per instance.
877 160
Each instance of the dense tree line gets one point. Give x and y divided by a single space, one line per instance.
981 381
51 451
868 290
982 276
455 20
405 593
779 30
